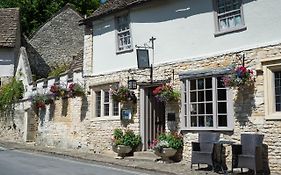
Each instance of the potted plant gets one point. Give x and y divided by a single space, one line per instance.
38 101
41 100
75 90
240 77
166 93
123 94
166 145
125 142
55 90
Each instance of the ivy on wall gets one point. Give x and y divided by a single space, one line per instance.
10 93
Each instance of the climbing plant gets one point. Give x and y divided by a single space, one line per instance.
10 93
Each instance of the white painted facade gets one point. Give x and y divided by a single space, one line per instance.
7 59
184 29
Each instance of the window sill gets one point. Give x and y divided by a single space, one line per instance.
124 51
107 118
207 129
273 116
238 29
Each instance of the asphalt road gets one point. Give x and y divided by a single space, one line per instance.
14 162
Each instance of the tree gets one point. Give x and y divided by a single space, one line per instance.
36 12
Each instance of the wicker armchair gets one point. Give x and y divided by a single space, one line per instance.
202 151
249 153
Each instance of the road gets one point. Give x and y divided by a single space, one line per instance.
14 162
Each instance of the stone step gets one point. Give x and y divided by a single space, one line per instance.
141 155
144 156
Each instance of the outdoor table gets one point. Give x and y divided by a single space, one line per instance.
220 163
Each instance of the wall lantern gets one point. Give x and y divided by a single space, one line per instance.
132 84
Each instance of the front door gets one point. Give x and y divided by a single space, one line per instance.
152 117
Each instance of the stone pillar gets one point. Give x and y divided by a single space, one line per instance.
88 50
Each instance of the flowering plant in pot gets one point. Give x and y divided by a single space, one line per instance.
41 100
125 142
166 93
240 76
167 144
55 90
75 90
123 94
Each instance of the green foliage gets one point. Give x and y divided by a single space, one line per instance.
36 12
41 100
58 70
10 93
174 140
123 94
129 138
166 93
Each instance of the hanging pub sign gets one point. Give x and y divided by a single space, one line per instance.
143 58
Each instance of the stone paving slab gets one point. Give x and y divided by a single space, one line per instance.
172 168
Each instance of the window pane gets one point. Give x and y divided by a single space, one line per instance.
193 97
193 121
200 95
222 94
185 98
220 82
209 95
106 109
209 108
106 96
200 83
201 108
208 83
209 121
222 120
277 76
98 103
115 108
193 109
201 121
192 84
222 107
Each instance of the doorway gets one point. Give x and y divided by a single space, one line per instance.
152 116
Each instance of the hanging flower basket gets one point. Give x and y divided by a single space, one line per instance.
75 90
123 94
41 100
240 77
166 93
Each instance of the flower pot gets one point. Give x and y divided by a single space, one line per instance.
122 150
165 153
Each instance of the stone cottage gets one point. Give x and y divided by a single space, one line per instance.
56 42
10 41
196 44
191 44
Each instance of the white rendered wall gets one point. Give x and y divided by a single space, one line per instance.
184 30
6 62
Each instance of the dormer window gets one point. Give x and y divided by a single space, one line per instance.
124 41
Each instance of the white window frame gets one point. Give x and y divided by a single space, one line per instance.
102 116
269 66
218 31
185 116
122 48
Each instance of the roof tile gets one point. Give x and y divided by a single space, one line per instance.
9 23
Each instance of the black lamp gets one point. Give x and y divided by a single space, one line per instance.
132 84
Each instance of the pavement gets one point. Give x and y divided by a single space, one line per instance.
141 161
